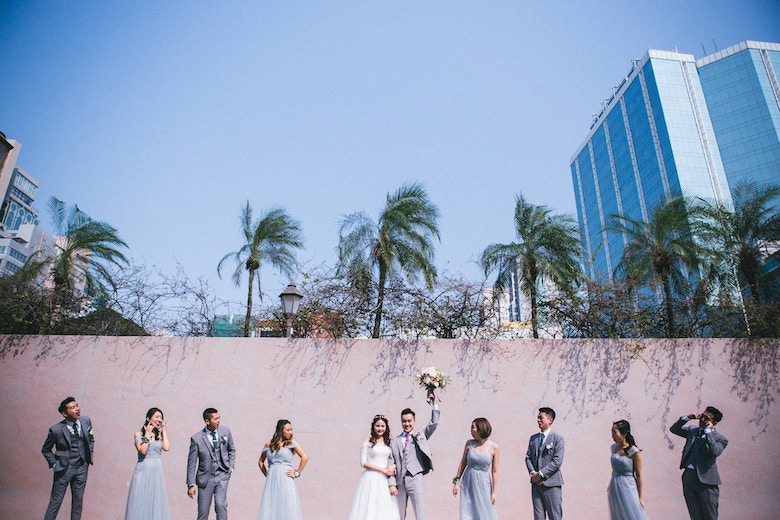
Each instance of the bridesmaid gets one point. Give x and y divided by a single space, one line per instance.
147 497
477 475
280 498
625 488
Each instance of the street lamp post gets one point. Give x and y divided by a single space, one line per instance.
291 300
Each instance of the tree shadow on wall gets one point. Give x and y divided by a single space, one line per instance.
755 374
475 359
152 359
14 345
590 372
670 363
396 359
593 372
317 360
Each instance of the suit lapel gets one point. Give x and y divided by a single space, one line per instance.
691 442
65 432
204 438
537 438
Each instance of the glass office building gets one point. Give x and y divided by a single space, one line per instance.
676 126
741 88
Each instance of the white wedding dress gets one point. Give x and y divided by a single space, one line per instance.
373 500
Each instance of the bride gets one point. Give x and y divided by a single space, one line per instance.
374 497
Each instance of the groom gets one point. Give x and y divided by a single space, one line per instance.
413 460
543 461
213 455
73 443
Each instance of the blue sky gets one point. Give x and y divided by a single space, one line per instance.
164 118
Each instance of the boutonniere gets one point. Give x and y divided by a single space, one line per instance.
90 432
224 438
418 436
549 446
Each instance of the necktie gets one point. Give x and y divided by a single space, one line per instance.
76 429
406 446
214 438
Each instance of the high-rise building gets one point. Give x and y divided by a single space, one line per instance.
742 92
20 235
675 126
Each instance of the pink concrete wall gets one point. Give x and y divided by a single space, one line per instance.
331 390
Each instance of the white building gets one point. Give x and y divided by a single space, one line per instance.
20 235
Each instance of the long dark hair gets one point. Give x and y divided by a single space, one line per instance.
385 436
149 415
625 428
278 441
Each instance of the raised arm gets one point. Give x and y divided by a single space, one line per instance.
678 428
715 444
166 444
435 413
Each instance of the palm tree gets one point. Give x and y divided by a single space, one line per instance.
547 250
269 239
82 247
401 238
744 230
662 250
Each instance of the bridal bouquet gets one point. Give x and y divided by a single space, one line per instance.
432 378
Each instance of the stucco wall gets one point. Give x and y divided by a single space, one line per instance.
331 390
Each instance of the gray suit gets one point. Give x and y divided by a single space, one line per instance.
409 471
209 468
69 460
700 484
546 458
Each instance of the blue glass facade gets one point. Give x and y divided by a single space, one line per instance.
741 87
653 140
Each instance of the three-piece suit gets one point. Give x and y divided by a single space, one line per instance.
545 457
73 445
411 468
209 468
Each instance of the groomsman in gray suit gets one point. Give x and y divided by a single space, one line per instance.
211 460
543 460
413 460
73 442
700 478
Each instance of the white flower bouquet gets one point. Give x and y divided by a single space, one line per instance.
432 378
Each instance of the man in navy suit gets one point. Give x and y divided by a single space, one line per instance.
700 479
211 460
543 460
73 443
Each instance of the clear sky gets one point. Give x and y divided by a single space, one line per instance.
164 118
